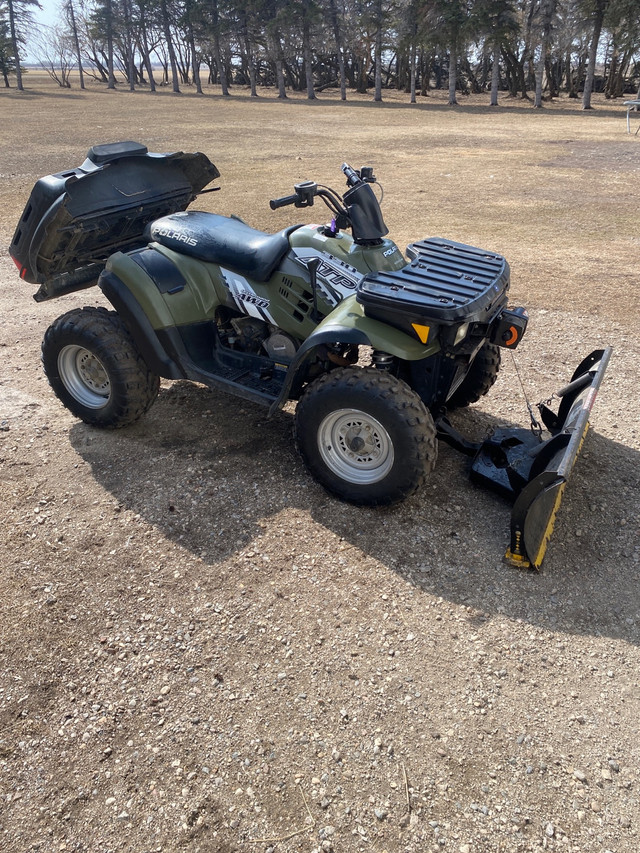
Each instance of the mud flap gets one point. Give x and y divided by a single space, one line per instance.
535 471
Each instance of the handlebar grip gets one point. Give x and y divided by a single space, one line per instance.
351 175
275 203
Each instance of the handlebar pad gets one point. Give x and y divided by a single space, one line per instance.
275 203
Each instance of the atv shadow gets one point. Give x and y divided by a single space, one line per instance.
211 473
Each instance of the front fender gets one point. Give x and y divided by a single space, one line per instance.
349 318
348 324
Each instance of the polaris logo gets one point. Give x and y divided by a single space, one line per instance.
390 251
174 235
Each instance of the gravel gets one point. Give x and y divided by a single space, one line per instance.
203 651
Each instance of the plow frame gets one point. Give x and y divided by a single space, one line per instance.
533 471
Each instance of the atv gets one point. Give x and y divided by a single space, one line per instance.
373 346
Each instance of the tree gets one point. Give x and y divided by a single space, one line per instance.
544 20
622 21
166 28
55 54
597 10
101 27
495 22
335 26
140 11
69 11
20 16
453 19
308 12
192 21
216 29
7 59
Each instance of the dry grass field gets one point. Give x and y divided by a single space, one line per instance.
200 650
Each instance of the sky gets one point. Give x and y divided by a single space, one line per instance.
48 16
49 13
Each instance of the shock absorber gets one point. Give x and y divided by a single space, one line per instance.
381 360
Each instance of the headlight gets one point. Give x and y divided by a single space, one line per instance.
461 334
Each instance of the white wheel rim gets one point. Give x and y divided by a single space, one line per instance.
355 446
84 376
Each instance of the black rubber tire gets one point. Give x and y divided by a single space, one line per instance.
399 450
94 368
481 376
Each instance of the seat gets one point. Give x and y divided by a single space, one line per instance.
221 240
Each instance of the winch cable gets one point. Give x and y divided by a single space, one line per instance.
536 426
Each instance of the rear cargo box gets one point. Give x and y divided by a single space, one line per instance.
75 219
445 282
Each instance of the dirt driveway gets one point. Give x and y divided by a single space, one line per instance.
201 650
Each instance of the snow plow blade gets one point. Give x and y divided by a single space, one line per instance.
534 471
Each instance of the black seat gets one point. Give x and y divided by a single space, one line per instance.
101 154
220 240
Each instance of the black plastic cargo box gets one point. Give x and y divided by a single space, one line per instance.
445 282
75 219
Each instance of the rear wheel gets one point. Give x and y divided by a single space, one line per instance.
365 436
95 369
481 376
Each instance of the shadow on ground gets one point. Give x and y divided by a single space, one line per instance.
210 473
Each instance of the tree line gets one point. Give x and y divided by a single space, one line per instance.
532 49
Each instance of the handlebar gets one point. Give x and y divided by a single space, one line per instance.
304 195
358 209
351 175
275 203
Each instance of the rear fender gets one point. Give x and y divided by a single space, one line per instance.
139 325
347 324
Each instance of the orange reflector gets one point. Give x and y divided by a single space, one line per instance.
513 336
421 331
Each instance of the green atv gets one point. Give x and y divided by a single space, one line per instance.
373 346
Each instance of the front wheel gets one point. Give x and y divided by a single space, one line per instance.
365 436
94 368
480 378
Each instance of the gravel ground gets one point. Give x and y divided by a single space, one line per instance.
203 651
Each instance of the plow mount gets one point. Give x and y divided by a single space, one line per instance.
532 466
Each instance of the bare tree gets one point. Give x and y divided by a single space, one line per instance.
168 38
71 20
54 52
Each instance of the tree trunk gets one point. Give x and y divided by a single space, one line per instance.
495 76
76 40
166 28
278 62
547 12
333 13
248 48
195 62
601 8
537 102
145 50
14 45
111 78
217 53
412 72
453 56
425 73
128 45
517 71
306 50
569 77
378 62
